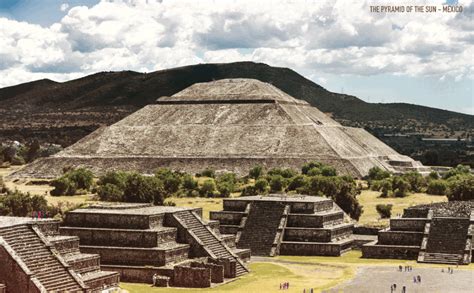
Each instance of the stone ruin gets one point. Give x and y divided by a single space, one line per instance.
434 233
36 258
228 125
140 240
278 224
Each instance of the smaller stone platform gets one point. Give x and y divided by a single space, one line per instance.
280 224
435 233
142 240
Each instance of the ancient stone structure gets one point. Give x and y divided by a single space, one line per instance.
435 233
35 258
140 240
230 124
286 225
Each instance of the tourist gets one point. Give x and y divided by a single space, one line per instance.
155 276
400 268
404 289
414 279
442 270
419 279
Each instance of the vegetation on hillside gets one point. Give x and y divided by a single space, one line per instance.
457 183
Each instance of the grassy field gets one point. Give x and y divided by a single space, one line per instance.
303 272
370 199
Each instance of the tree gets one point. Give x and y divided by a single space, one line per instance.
276 183
20 204
63 186
208 188
249 191
386 187
437 187
117 178
459 170
310 165
328 171
261 186
400 186
256 172
209 173
147 189
171 181
461 188
384 210
298 182
416 181
189 183
225 188
110 192
82 178
375 173
433 175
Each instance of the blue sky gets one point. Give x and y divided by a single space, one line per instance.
419 59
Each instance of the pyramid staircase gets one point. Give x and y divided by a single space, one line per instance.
447 241
215 247
262 234
50 271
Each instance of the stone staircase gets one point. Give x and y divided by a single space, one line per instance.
261 230
39 259
209 240
447 241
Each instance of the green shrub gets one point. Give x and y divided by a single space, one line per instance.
224 188
110 192
375 173
461 188
376 185
63 186
314 172
17 161
146 189
437 187
433 175
310 165
171 181
384 210
459 170
416 181
276 183
400 186
208 188
209 173
261 186
20 204
117 178
81 177
249 191
298 182
328 171
189 183
256 172
386 187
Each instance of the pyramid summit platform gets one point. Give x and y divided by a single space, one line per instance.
226 125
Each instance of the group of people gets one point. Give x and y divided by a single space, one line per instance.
309 291
405 268
285 286
37 215
450 270
393 287
417 279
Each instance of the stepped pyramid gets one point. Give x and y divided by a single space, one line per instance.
434 233
229 124
279 224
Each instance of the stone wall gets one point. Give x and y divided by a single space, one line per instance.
408 224
139 274
400 238
105 220
227 217
390 251
235 205
138 256
307 234
217 271
415 213
122 238
192 277
14 276
301 248
3 288
228 265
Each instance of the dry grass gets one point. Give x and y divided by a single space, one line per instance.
369 199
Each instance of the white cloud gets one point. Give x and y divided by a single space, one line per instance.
333 37
64 7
